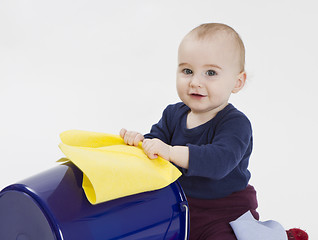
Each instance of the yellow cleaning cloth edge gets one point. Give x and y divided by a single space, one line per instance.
111 169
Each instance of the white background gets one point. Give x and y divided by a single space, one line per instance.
102 65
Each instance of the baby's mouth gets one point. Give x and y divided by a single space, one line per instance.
197 95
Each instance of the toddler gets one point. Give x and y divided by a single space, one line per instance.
205 136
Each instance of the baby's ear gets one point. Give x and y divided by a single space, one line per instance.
240 82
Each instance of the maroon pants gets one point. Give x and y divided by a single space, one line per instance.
209 219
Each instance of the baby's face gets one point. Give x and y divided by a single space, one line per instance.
207 73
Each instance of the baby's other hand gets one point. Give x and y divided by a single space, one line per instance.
155 147
130 137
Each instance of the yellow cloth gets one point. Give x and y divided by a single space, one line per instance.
111 169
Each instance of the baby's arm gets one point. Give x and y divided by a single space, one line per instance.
153 148
179 155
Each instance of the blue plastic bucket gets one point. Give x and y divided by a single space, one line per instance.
52 206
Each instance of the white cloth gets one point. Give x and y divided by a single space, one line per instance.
247 227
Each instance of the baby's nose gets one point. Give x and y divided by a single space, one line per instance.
196 81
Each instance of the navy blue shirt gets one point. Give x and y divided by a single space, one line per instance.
219 150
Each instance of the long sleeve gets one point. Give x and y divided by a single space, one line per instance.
232 140
219 150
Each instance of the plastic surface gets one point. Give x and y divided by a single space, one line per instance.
19 219
53 206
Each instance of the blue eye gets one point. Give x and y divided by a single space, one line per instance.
187 71
211 73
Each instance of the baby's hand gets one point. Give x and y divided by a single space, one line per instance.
130 137
155 147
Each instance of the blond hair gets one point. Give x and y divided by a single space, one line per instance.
209 29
